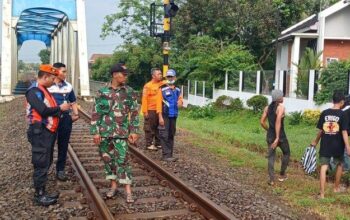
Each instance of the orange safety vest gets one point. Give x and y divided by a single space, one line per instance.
33 116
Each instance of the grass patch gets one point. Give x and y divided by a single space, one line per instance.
344 199
306 202
243 128
278 191
238 138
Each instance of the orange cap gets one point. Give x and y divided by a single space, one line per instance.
49 69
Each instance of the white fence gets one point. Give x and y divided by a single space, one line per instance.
245 86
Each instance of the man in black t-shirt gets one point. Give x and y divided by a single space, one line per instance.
333 126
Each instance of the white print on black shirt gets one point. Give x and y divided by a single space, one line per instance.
331 125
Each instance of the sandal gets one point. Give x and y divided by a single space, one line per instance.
129 198
111 193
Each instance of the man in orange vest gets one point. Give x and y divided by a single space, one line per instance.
150 95
43 117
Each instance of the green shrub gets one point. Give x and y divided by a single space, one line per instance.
236 104
311 116
223 102
202 112
257 102
228 103
295 118
334 77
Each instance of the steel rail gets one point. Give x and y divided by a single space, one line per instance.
99 206
198 202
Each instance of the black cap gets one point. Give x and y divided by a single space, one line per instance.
118 68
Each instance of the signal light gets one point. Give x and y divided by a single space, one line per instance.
171 9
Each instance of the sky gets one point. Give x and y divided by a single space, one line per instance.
96 10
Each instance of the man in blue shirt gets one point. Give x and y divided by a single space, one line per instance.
168 108
63 92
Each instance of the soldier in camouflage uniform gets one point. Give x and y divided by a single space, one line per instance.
114 122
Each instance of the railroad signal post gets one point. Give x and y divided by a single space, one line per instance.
170 10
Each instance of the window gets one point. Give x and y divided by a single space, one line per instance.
331 59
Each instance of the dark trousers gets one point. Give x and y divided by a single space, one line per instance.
42 141
284 145
167 136
151 128
63 136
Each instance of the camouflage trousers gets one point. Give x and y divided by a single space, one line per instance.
116 158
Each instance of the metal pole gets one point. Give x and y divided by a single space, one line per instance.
166 38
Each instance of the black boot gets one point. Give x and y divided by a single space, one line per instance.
61 176
53 195
41 198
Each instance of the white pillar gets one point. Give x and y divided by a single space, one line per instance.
320 40
311 85
72 57
294 68
278 56
226 81
6 50
281 80
204 93
14 72
56 49
240 81
188 88
276 82
82 43
65 43
195 88
258 79
213 91
59 44
203 88
52 50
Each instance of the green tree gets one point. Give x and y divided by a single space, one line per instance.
251 23
44 56
131 22
21 65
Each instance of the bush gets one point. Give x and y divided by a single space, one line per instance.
223 102
257 102
295 118
334 77
236 104
228 103
202 112
311 116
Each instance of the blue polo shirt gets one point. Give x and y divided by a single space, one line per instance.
63 92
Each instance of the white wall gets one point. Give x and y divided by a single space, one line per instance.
291 104
337 25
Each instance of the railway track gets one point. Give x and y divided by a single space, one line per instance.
158 193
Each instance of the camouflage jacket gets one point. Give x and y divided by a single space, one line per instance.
115 113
